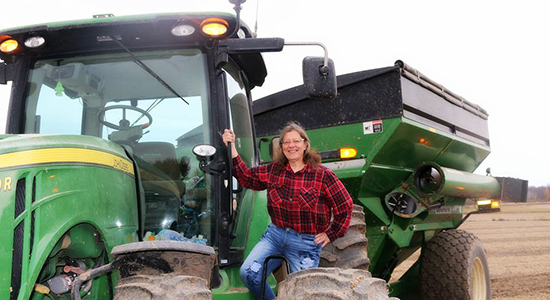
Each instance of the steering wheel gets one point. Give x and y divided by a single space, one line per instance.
123 123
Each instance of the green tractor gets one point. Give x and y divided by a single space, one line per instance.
114 180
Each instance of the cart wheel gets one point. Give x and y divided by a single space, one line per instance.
454 266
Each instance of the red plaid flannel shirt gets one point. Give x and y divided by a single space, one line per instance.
301 201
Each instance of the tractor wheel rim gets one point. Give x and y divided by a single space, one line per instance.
479 281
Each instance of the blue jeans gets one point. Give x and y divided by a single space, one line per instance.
299 249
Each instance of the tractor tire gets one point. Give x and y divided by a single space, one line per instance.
332 284
349 251
162 287
454 267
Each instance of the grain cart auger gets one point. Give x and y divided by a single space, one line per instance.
113 159
405 148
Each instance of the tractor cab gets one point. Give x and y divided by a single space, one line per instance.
112 97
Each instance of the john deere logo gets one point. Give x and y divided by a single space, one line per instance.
121 164
5 184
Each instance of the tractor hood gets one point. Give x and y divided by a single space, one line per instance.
19 151
13 143
49 184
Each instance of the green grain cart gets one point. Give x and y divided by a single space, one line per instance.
405 148
114 180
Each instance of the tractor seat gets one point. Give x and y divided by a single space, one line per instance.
159 166
161 155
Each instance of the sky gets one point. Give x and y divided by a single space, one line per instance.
492 53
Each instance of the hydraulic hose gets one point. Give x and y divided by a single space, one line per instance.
89 275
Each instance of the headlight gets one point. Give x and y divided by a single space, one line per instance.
34 42
183 30
483 202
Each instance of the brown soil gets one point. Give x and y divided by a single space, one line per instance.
517 242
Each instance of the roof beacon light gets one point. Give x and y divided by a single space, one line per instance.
214 27
34 42
9 46
183 30
348 152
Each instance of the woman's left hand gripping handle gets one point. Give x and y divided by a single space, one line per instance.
228 136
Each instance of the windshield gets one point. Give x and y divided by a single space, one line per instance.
112 97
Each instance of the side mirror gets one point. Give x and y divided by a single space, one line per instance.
205 152
319 80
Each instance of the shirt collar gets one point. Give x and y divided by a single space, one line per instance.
304 169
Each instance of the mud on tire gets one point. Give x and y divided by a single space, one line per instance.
349 251
454 267
162 287
332 284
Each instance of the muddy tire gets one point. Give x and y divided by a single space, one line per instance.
453 266
349 251
332 284
162 287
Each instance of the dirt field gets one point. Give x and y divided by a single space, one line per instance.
517 242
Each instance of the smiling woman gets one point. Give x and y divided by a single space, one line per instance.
309 207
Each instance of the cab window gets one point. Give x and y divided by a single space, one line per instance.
110 96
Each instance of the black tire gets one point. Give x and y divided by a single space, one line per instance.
165 287
454 267
349 251
332 284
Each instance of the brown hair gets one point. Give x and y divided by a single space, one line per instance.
311 157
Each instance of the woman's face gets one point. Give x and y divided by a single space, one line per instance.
294 146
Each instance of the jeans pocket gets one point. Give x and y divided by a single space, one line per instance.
308 239
266 233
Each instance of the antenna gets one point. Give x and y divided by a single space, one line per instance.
256 25
237 9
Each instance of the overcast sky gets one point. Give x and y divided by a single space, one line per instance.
492 53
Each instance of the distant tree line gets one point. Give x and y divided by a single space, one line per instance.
538 193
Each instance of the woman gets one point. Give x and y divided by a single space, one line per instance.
301 196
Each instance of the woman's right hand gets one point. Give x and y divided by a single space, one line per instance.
228 136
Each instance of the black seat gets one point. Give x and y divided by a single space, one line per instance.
161 155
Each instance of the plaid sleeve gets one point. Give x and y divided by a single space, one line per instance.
341 204
251 178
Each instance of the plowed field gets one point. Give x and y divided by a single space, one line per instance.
517 242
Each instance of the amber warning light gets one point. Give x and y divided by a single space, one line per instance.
214 27
348 152
9 46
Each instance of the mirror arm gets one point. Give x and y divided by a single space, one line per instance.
324 68
214 168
